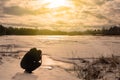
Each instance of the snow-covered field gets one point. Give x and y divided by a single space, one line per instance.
56 50
63 46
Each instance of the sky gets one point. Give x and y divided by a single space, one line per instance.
64 15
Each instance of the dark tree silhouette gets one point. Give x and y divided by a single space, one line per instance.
2 30
114 30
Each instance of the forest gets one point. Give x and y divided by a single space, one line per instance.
114 30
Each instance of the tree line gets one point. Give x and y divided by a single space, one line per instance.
114 30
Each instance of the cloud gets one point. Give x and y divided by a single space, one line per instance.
19 11
82 13
16 10
2 2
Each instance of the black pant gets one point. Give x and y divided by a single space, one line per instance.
32 67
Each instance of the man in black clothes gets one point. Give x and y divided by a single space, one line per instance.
31 59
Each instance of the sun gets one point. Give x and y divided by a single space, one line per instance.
57 3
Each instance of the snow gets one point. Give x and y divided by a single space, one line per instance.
63 46
10 70
57 51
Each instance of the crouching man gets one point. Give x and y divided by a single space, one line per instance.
31 60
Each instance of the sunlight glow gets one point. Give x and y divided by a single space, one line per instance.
57 3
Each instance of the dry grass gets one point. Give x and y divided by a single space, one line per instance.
99 69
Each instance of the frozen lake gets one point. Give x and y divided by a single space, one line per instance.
59 52
63 46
